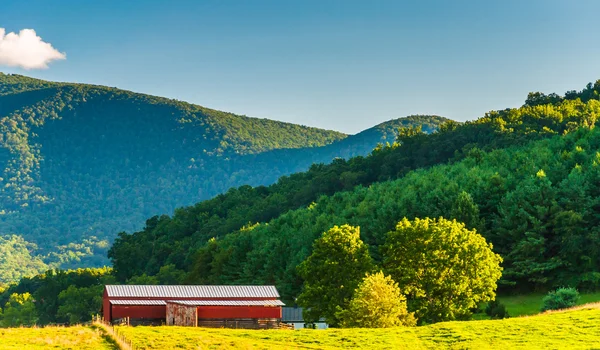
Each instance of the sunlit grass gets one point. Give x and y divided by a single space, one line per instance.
77 337
530 304
560 330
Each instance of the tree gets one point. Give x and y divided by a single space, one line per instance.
443 268
377 303
19 311
169 274
526 231
465 210
143 279
79 304
332 272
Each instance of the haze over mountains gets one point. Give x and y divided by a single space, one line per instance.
81 163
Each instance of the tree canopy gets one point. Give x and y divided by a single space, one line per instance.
332 272
445 270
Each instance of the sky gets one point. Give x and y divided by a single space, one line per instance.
343 65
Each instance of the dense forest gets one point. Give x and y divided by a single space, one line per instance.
526 179
81 163
176 240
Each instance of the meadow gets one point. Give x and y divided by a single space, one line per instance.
573 329
577 328
530 304
76 337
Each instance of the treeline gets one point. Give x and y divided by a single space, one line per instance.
176 240
56 296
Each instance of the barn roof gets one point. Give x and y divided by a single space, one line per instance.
294 314
138 302
192 291
228 302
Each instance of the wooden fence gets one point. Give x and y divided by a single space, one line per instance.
122 342
244 324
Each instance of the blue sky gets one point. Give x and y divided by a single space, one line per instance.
343 65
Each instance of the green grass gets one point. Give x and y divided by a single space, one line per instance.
530 304
76 337
576 329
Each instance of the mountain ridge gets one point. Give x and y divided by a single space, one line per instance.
82 162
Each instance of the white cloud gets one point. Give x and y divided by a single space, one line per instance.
26 50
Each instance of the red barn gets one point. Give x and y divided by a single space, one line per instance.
216 306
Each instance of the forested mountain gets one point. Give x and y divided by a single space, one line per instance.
518 198
81 162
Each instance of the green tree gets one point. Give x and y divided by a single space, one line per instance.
143 279
377 303
465 210
442 267
332 272
80 304
526 229
170 275
19 311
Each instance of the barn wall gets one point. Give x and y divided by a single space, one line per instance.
182 315
212 312
106 307
138 311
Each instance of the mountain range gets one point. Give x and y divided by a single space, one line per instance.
80 163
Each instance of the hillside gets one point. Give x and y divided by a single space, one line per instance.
573 329
81 163
257 239
525 200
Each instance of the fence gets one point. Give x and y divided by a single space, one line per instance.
244 324
122 342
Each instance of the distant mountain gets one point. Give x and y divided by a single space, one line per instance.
82 162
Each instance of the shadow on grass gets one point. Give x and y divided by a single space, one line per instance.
107 338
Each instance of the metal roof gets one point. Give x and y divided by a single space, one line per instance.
228 302
138 302
225 292
294 314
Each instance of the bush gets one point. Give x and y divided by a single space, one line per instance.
561 298
377 303
496 310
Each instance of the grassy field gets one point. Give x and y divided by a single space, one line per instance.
576 329
77 337
530 304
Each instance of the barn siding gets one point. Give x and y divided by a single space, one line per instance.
182 315
138 311
106 307
225 312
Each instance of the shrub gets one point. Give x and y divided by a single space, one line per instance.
496 310
561 298
377 303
